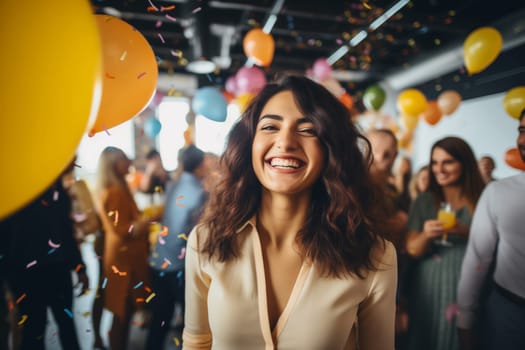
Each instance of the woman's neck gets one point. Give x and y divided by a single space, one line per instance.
280 217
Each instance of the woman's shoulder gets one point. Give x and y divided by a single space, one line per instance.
383 254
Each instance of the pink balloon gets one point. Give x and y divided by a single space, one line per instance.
231 85
250 80
321 69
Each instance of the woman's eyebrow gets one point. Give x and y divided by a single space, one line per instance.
279 118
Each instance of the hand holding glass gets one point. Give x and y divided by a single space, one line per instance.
448 217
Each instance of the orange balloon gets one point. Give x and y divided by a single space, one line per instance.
432 114
130 73
347 100
448 101
228 96
513 159
411 102
259 46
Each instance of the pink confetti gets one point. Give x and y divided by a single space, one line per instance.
161 240
55 196
171 18
52 244
79 217
182 253
451 312
197 10
158 24
32 263
161 38
130 228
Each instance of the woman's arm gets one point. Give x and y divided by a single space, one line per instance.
197 333
376 315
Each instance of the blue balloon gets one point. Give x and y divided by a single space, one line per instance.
152 127
209 102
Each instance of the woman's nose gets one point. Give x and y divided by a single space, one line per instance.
286 139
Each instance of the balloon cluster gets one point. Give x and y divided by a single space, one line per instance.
244 85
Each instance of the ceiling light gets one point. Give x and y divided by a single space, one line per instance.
201 66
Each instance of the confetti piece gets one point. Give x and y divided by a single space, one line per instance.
161 240
20 298
55 196
151 296
161 38
151 4
122 273
79 217
86 314
109 76
32 263
22 320
451 312
104 282
196 10
147 289
115 222
141 75
106 130
51 251
170 18
176 341
138 285
130 228
158 24
78 267
164 231
183 236
165 264
167 8
139 300
44 203
52 244
162 324
182 253
68 312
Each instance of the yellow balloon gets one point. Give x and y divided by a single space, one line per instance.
481 48
410 122
243 100
411 102
50 92
514 101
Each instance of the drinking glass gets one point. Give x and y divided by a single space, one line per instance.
447 216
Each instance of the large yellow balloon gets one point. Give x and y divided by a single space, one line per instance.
411 102
514 101
50 73
481 48
130 73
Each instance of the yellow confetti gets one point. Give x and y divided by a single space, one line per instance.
176 341
151 296
183 236
22 320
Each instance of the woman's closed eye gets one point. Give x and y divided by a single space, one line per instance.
308 131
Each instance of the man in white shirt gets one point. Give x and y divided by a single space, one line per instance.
497 243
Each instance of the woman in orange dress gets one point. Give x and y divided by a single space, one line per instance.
126 245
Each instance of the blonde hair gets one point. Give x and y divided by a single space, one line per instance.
107 174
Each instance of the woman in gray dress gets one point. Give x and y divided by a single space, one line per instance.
437 249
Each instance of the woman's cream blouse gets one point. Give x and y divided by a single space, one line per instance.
226 303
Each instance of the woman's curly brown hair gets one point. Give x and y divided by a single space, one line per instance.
344 220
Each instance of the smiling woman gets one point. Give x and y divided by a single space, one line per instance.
291 233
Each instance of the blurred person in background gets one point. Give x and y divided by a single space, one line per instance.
126 246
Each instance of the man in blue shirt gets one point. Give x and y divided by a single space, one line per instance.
184 201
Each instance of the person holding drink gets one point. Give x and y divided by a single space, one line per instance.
456 183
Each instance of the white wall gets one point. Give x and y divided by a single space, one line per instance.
482 122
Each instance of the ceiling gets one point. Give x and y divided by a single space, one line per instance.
423 31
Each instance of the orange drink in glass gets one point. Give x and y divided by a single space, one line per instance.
448 217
